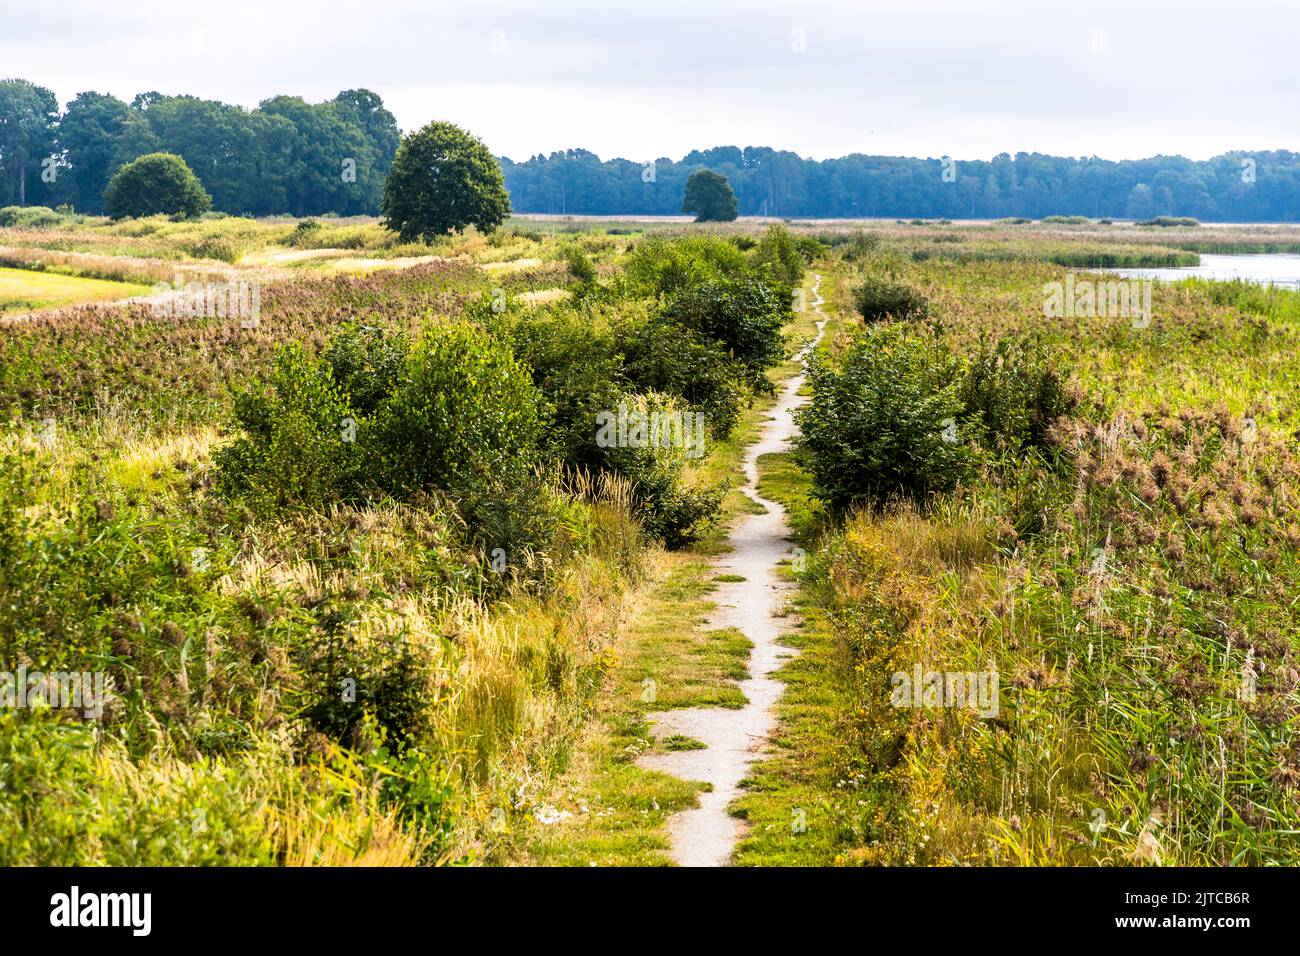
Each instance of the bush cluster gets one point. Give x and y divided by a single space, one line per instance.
901 415
878 299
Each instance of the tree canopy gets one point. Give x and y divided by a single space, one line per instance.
159 183
285 156
27 117
443 179
288 156
1257 186
709 196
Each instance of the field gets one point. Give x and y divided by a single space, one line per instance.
315 658
21 291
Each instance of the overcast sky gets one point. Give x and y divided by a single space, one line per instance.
644 79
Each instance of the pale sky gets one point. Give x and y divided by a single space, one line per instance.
643 79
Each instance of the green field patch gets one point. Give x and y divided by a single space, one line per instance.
24 290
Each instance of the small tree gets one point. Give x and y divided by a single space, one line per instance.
159 183
709 196
442 180
885 421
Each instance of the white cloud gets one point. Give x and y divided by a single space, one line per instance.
922 77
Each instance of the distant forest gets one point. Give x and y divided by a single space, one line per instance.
1246 187
306 159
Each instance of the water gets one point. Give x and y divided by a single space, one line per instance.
1271 269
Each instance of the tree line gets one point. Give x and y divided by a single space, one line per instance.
1237 186
287 156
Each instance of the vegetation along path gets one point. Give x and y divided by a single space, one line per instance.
749 601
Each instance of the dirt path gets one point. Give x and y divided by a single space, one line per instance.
707 835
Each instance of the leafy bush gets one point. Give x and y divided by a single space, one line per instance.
357 685
580 267
153 184
298 446
454 412
861 245
1012 390
463 413
366 362
574 361
216 247
877 299
885 421
658 266
30 217
304 232
676 508
778 253
744 314
43 819
661 356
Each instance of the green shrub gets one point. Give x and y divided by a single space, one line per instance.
216 247
300 444
744 314
661 356
1013 392
44 814
574 361
861 245
463 414
453 412
885 422
580 267
153 184
355 684
305 233
778 253
31 217
366 363
878 299
659 266
676 508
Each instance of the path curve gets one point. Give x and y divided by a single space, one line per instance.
706 835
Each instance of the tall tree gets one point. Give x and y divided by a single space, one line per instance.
136 139
366 110
28 115
88 138
328 155
443 179
709 196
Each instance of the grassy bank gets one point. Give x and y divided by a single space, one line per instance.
1129 588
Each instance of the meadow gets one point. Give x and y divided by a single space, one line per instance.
345 624
1112 536
337 622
